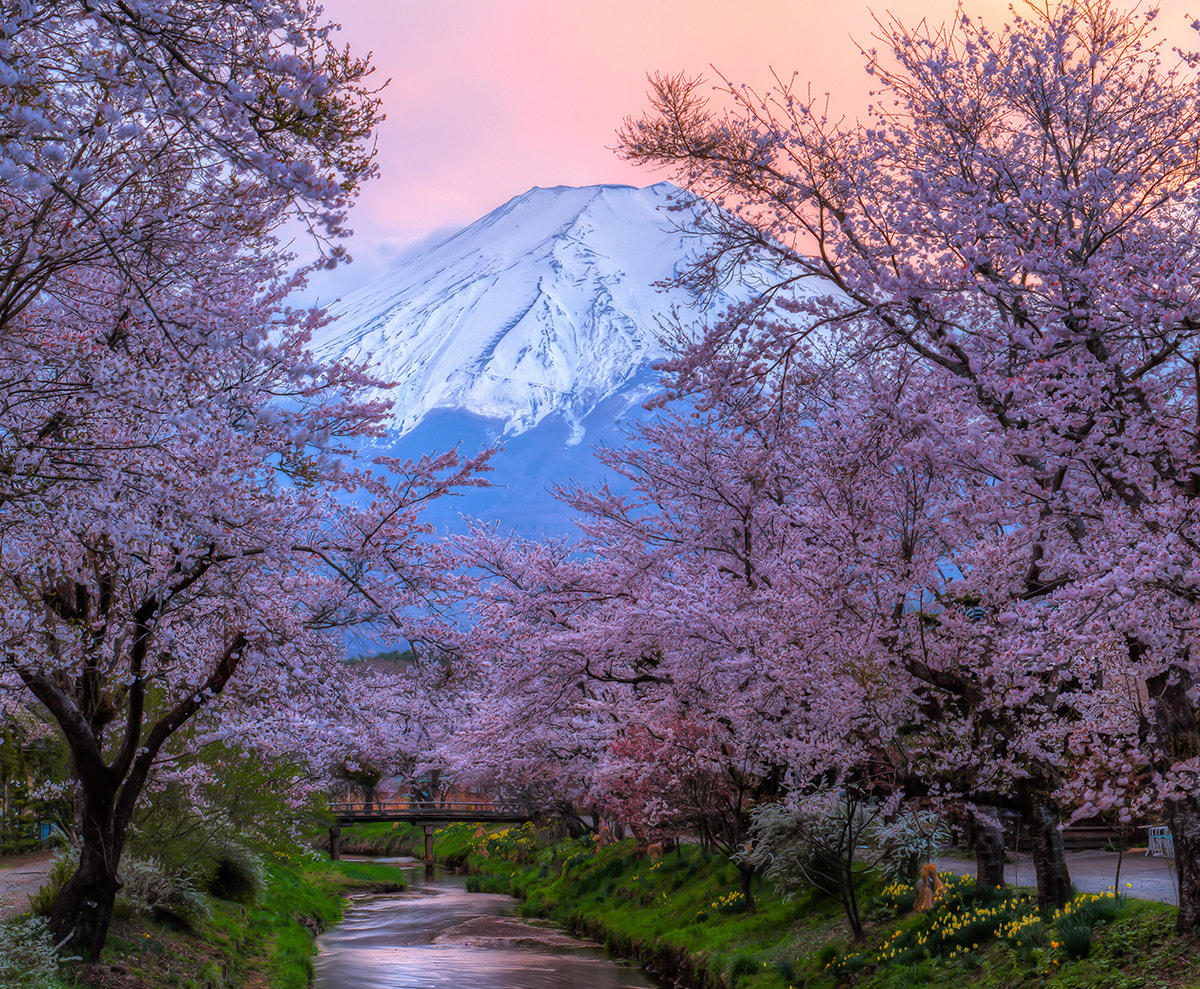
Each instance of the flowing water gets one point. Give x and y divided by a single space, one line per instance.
438 934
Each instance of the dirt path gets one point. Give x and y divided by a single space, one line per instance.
20 877
1142 876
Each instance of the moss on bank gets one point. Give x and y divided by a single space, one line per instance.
684 917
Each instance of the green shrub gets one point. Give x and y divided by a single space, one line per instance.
1028 929
910 976
734 902
243 806
853 964
518 843
740 964
238 876
971 962
65 864
1075 937
1093 909
896 900
575 860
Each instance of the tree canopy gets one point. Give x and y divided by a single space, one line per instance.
930 516
185 525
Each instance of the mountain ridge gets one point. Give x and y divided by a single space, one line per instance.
547 305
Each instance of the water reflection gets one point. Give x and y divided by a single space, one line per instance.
437 934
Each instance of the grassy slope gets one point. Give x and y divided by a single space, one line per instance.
267 945
382 839
683 916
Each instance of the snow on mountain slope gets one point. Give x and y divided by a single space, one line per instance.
547 305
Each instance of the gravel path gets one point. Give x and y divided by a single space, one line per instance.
1142 877
20 877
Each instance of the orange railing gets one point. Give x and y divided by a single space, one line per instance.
430 808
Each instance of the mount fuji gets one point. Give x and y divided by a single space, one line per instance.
534 327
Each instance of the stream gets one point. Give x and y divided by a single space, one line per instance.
438 934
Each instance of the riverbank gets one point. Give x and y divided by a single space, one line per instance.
683 917
380 840
267 943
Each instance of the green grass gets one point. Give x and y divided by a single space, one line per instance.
383 839
684 915
685 911
377 876
300 903
267 944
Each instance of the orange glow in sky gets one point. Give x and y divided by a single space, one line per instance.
491 97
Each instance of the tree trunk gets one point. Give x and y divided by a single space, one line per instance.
849 896
1049 856
576 826
747 891
83 909
1183 818
989 855
1179 740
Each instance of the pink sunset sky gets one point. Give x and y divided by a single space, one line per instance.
489 98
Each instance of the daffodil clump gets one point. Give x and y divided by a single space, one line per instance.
966 919
518 843
734 902
455 831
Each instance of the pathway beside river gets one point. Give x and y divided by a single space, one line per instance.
20 877
1142 877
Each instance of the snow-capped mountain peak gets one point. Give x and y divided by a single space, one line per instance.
550 304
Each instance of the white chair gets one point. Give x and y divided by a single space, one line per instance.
1161 842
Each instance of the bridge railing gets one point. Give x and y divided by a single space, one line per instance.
431 808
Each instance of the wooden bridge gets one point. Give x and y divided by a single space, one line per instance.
431 813
435 812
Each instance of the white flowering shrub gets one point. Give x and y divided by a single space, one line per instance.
27 956
810 843
907 841
150 888
821 840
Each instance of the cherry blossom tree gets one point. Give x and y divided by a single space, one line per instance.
848 531
133 126
185 527
670 658
728 632
1018 216
526 723
205 557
